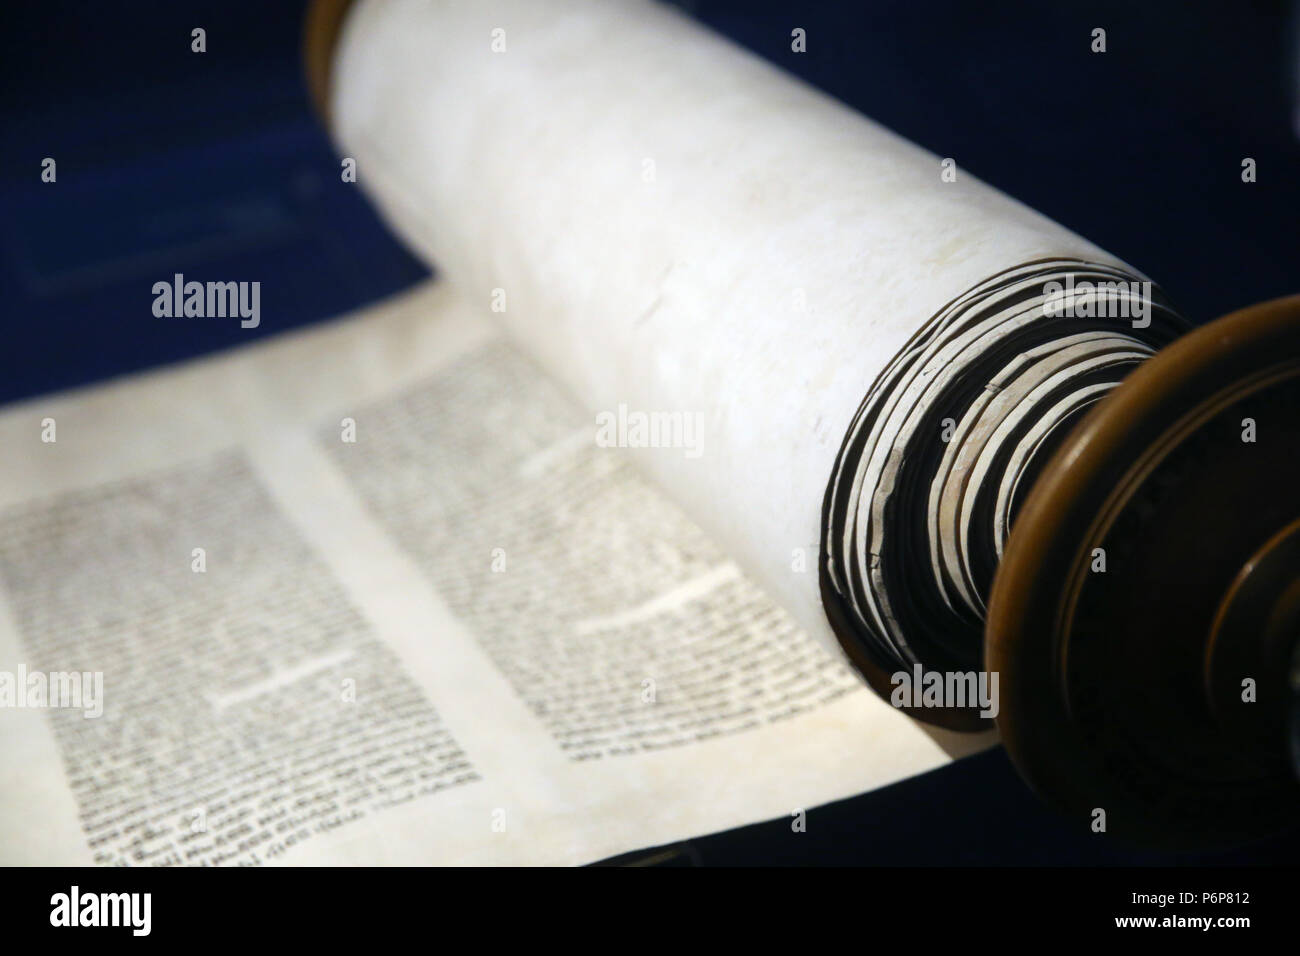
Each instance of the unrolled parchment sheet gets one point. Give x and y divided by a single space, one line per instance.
466 636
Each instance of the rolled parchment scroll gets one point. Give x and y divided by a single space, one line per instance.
881 349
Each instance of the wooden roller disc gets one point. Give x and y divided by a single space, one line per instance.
1146 613
322 25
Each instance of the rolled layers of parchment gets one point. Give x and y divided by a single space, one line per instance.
882 349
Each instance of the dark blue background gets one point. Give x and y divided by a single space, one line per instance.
212 165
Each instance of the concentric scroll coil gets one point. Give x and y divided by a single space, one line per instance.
950 438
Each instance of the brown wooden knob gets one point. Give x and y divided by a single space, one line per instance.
1150 581
321 28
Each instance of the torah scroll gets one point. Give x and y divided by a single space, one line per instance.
880 350
722 392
